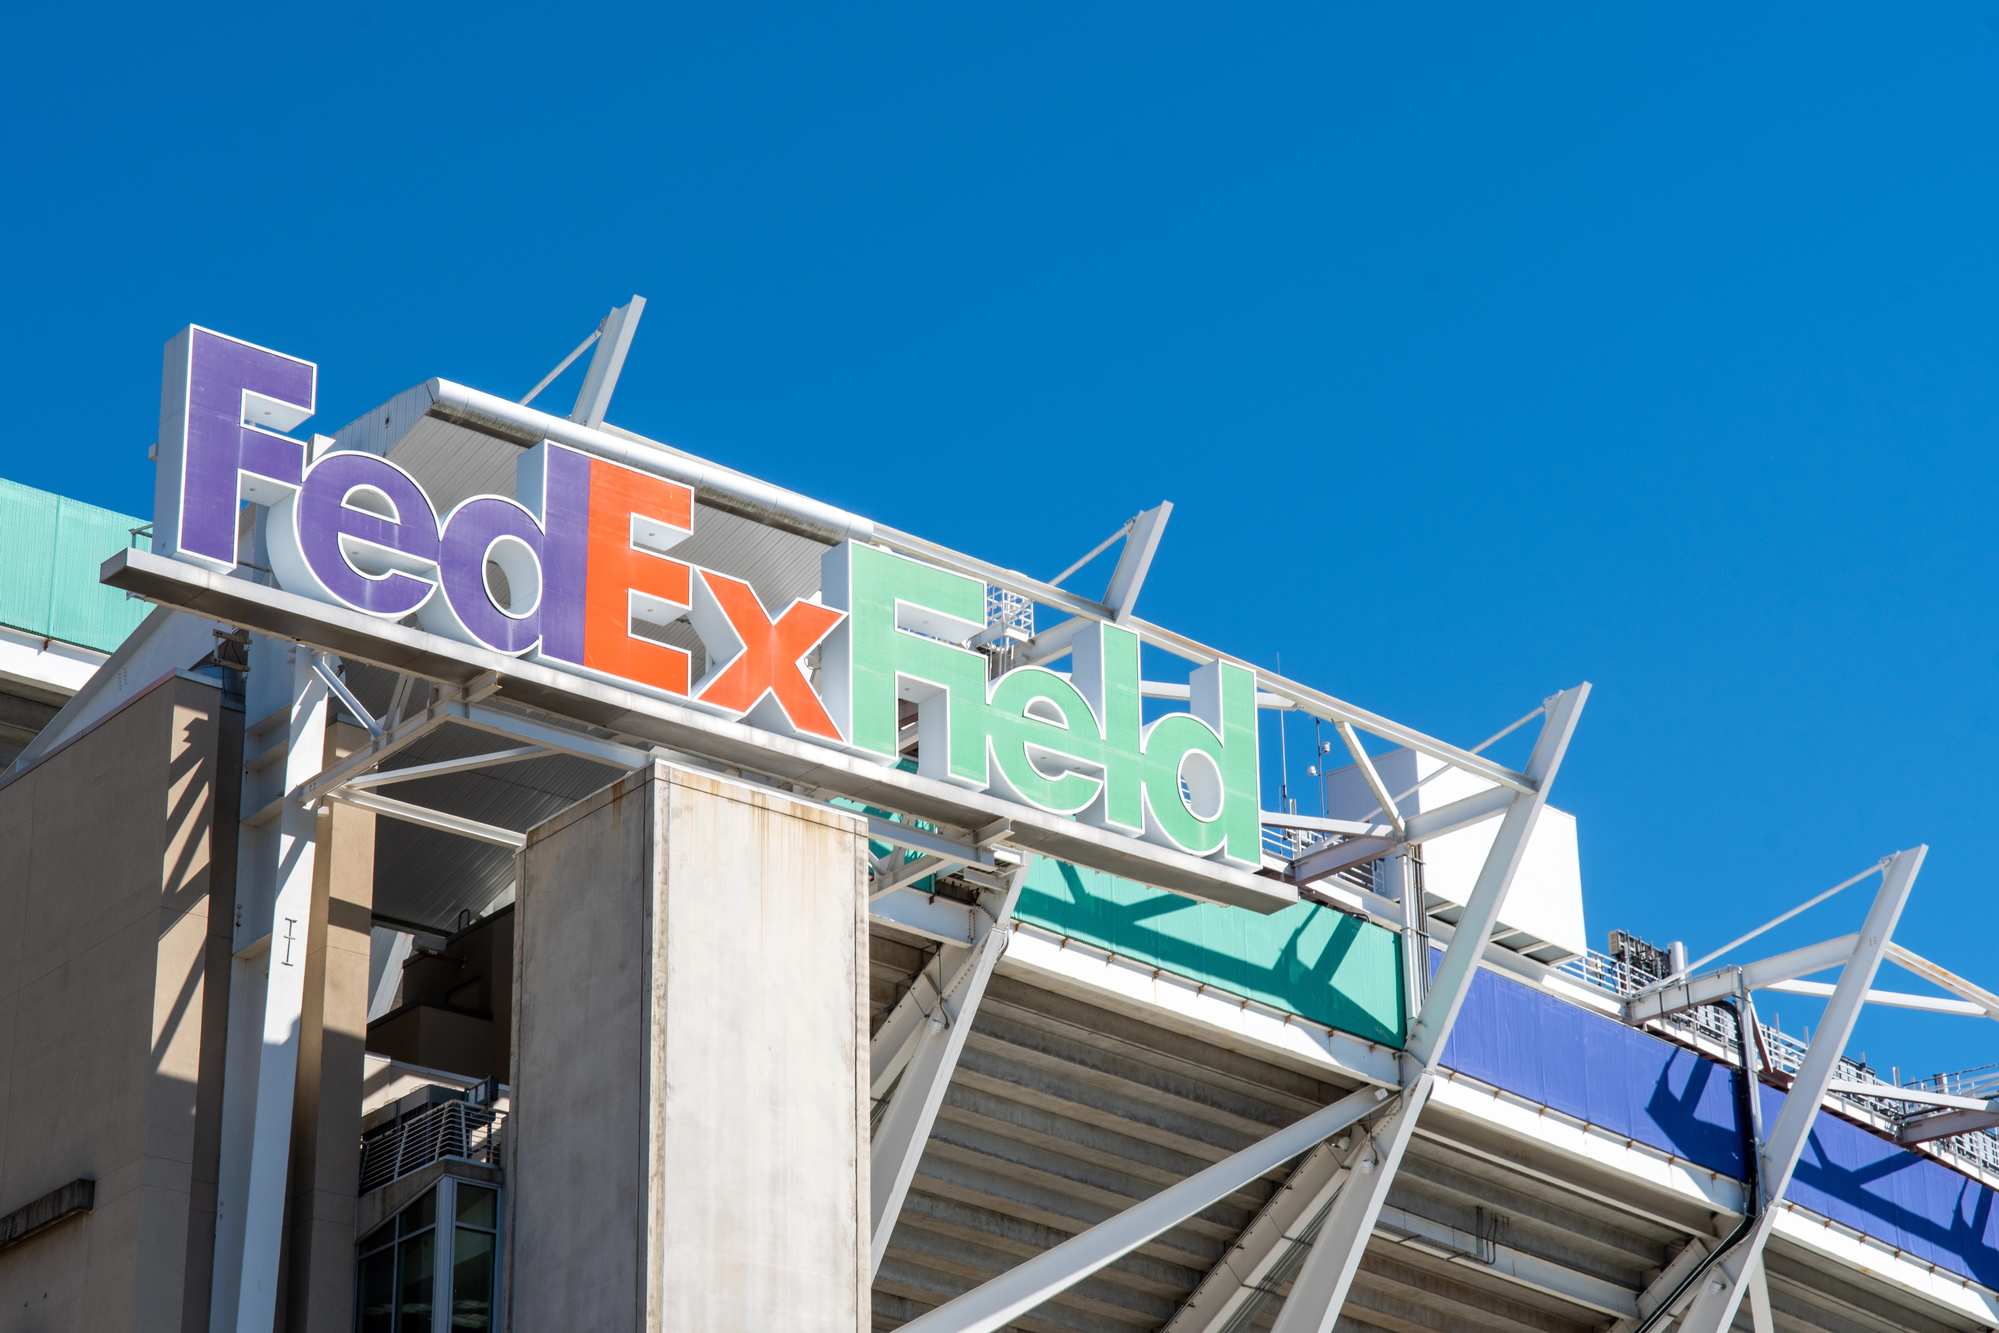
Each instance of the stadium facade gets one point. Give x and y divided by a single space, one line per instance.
485 869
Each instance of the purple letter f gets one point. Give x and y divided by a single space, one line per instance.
210 386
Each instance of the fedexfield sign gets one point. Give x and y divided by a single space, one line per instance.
584 547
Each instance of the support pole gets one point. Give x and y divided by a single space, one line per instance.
267 990
1759 1299
929 1055
1322 1285
1720 1294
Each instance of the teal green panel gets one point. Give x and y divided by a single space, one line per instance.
82 610
1307 960
27 555
50 549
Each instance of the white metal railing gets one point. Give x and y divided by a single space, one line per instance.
1785 1053
1288 844
451 1129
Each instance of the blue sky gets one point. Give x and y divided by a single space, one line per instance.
1481 352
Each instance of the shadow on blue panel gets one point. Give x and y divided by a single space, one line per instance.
1911 1202
1641 1087
1599 1071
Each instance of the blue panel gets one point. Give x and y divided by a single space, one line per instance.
1909 1201
1641 1087
1597 1070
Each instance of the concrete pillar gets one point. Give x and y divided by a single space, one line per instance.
318 1283
688 1144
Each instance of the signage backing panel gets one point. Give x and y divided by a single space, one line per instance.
564 584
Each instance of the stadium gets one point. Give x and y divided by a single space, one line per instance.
486 869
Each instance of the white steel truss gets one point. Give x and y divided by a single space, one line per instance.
267 983
1727 1281
1322 1284
1334 1255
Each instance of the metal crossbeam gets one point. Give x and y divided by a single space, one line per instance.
1726 982
481 716
1461 813
1944 1124
901 876
1662 1287
439 769
1890 999
428 818
1323 861
925 914
1944 978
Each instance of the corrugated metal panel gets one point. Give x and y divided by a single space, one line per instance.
50 548
454 463
27 552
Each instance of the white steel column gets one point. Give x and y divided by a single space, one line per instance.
1720 1293
267 982
1759 1299
926 1047
1321 1288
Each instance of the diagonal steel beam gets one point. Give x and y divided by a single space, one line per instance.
1662 1287
1321 1289
920 1067
1759 1300
1727 1282
429 818
1375 786
1252 1267
386 777
1020 1289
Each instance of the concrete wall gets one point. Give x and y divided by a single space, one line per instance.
688 1143
116 891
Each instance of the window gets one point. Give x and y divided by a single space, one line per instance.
473 1259
440 1250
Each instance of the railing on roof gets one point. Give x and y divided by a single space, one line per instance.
452 1129
1785 1053
1288 844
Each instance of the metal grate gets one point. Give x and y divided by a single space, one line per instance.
1009 611
453 1129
